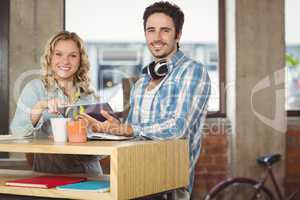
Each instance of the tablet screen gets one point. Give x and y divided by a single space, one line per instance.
92 109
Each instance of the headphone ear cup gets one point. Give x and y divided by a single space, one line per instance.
161 68
152 72
157 70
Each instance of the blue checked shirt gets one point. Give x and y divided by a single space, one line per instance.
178 106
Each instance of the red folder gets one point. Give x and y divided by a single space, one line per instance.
44 181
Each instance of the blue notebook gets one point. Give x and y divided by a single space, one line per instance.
97 186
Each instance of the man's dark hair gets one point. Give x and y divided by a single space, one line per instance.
168 9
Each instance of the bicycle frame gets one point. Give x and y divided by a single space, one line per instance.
275 184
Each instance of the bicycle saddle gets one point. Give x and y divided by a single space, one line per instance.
268 159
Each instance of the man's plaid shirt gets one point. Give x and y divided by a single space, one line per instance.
178 108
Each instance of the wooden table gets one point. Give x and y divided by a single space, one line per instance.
137 168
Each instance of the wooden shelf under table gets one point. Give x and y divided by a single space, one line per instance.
14 174
137 168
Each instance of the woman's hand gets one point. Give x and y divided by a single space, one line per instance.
111 125
52 105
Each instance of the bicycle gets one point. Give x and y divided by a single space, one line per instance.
241 188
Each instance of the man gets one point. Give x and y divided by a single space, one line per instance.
170 99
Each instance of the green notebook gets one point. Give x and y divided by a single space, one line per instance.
98 186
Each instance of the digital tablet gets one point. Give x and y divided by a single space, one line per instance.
91 109
107 136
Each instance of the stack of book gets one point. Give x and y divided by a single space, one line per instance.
99 186
61 183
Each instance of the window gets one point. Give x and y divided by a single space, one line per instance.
292 38
114 36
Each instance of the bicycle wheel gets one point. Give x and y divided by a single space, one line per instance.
239 189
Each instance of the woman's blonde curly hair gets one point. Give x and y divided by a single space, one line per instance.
81 79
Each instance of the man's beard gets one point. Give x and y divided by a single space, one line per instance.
163 55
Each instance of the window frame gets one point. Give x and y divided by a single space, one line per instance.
293 113
222 62
290 113
222 59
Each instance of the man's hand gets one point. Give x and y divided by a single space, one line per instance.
111 125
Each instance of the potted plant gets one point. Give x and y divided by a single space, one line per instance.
76 127
293 64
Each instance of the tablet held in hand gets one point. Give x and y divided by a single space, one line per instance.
91 109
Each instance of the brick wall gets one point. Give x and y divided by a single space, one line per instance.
292 179
213 164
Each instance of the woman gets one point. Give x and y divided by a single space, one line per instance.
64 80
